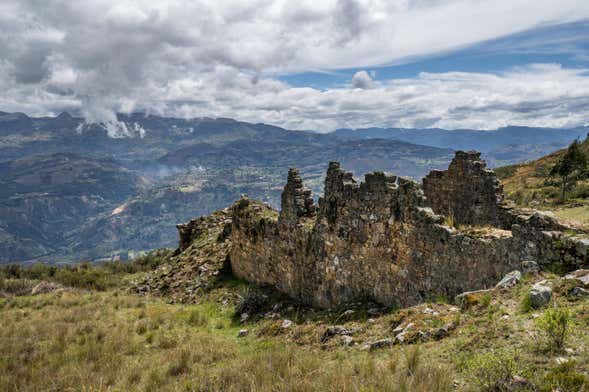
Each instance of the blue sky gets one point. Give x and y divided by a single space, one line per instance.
565 44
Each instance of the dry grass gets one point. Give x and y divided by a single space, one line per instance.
108 340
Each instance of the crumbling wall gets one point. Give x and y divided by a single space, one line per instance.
380 238
297 201
467 192
374 239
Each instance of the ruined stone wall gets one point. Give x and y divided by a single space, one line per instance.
297 201
468 192
380 239
375 239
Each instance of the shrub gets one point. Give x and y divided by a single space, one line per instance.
565 378
555 323
526 303
492 371
252 301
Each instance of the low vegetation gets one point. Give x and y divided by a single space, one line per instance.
92 332
558 182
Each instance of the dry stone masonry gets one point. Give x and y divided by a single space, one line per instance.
467 192
388 239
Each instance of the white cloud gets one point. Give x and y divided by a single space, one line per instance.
213 58
362 79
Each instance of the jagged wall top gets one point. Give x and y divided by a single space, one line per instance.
468 192
296 200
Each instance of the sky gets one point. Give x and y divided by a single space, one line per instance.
308 65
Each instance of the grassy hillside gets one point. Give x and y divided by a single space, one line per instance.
92 334
530 185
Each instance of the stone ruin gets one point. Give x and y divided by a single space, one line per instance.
390 240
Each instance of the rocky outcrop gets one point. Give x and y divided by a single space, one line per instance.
196 265
381 239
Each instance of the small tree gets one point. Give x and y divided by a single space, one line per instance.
556 324
572 164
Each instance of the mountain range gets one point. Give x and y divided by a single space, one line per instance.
70 190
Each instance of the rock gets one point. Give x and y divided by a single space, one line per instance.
401 336
242 333
348 313
383 343
371 321
339 330
430 311
441 333
577 292
470 298
347 340
45 287
540 295
373 311
530 267
510 280
518 383
334 330
560 360
424 336
286 324
581 275
244 317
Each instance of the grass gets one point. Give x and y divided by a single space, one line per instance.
530 185
109 341
105 340
579 214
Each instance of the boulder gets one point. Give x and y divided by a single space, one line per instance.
286 324
45 287
540 295
582 275
530 267
470 298
577 292
242 333
383 343
510 280
347 340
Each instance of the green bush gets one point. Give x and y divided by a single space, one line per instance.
252 301
555 323
565 378
492 371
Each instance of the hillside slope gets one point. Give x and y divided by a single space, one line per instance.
529 184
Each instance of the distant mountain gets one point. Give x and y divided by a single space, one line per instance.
69 191
500 147
45 199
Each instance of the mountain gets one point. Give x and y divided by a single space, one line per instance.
69 191
45 198
502 146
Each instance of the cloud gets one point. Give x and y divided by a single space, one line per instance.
211 58
362 79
